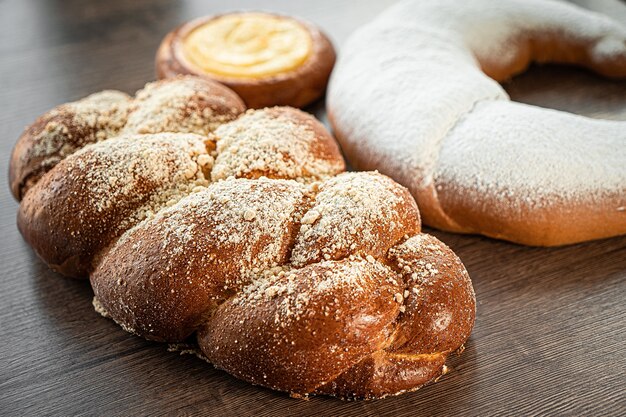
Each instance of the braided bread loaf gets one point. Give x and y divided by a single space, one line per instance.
247 236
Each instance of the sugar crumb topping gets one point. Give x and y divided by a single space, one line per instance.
259 143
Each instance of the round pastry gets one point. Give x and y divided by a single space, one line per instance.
267 59
415 95
245 234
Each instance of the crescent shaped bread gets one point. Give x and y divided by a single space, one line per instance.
246 45
242 231
415 95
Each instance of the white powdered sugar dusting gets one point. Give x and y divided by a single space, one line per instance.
537 162
245 212
179 105
408 97
408 256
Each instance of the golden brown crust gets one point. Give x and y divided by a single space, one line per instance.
438 295
287 334
297 87
595 218
186 265
437 316
550 46
382 374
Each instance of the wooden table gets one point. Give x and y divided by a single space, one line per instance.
549 336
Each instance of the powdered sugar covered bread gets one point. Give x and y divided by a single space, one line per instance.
414 95
248 236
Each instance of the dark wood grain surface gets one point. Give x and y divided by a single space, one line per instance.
549 337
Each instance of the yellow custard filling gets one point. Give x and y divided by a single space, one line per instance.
248 45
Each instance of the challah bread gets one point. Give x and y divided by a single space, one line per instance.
415 96
249 237
267 59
